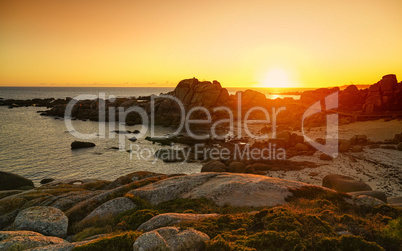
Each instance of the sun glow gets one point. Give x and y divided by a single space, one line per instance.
277 77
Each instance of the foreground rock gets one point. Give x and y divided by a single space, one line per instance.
131 177
341 183
171 238
45 220
170 219
110 208
21 240
222 188
374 194
10 181
367 201
80 144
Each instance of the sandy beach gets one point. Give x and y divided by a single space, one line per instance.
380 168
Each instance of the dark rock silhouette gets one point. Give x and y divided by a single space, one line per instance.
47 180
379 99
310 97
385 95
80 144
342 183
11 181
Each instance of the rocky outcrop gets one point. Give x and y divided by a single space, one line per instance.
171 238
60 247
237 167
375 194
385 95
47 180
10 181
22 240
367 201
213 166
191 93
131 177
45 220
170 219
358 140
80 144
310 97
83 208
110 209
341 183
222 188
352 99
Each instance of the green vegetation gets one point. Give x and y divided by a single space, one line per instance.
132 219
91 231
314 219
118 242
79 211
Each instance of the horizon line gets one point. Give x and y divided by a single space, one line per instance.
147 86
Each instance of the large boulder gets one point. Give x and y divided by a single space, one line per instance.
251 98
344 184
213 166
395 201
309 97
237 167
385 95
222 188
397 138
81 144
344 145
301 147
192 92
368 201
132 177
22 240
351 99
11 181
169 219
259 167
358 140
110 209
375 194
171 238
45 220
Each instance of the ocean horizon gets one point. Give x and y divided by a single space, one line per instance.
63 92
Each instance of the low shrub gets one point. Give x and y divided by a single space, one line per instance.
132 219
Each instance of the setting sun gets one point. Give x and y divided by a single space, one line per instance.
277 77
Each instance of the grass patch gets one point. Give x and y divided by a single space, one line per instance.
88 232
313 219
132 219
118 242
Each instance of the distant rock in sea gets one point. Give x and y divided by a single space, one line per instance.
80 144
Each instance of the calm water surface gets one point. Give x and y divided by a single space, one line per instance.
38 147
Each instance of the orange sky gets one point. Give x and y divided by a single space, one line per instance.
239 43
